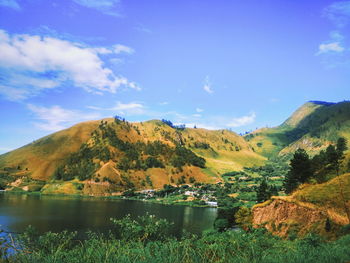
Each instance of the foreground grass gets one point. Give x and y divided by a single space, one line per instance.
229 246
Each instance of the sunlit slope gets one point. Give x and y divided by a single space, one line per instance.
313 127
224 150
40 158
102 149
318 208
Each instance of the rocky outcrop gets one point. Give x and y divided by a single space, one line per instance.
286 217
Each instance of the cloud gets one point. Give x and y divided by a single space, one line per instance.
123 49
143 29
338 13
10 4
56 118
108 7
199 110
32 63
131 108
163 103
207 85
273 100
242 121
330 47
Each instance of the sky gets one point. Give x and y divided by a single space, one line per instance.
239 65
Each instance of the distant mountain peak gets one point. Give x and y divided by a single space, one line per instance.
323 103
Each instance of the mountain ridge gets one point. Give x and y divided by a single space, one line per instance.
141 155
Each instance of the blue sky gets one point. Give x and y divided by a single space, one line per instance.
216 64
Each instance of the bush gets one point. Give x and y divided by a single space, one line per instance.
145 228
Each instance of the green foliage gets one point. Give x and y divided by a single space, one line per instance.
47 243
263 192
147 240
149 181
201 145
145 228
300 171
152 162
79 164
185 156
141 156
327 162
221 224
181 180
4 180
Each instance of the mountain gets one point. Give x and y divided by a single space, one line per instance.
114 155
313 126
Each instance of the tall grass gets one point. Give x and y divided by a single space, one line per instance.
212 246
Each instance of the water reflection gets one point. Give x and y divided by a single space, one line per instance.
56 213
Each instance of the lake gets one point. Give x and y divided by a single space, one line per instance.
57 213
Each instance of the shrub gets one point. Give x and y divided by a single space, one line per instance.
145 228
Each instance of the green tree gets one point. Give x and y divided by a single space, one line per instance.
341 147
332 158
263 192
299 172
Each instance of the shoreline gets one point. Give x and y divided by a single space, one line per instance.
153 201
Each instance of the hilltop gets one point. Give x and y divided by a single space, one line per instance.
111 155
313 127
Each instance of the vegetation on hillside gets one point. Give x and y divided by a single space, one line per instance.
311 127
321 167
106 146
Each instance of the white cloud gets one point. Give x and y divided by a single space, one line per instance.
273 100
197 115
242 121
142 28
336 36
127 106
123 49
338 13
134 86
10 3
330 47
207 85
131 108
199 110
163 103
108 7
56 118
31 63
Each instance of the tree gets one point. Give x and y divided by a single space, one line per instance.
273 190
263 192
341 147
332 158
299 172
335 155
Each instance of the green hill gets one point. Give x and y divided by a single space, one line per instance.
313 127
113 155
308 209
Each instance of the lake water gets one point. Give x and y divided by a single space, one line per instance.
57 213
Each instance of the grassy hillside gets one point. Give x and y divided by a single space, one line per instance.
318 208
40 158
113 155
313 127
